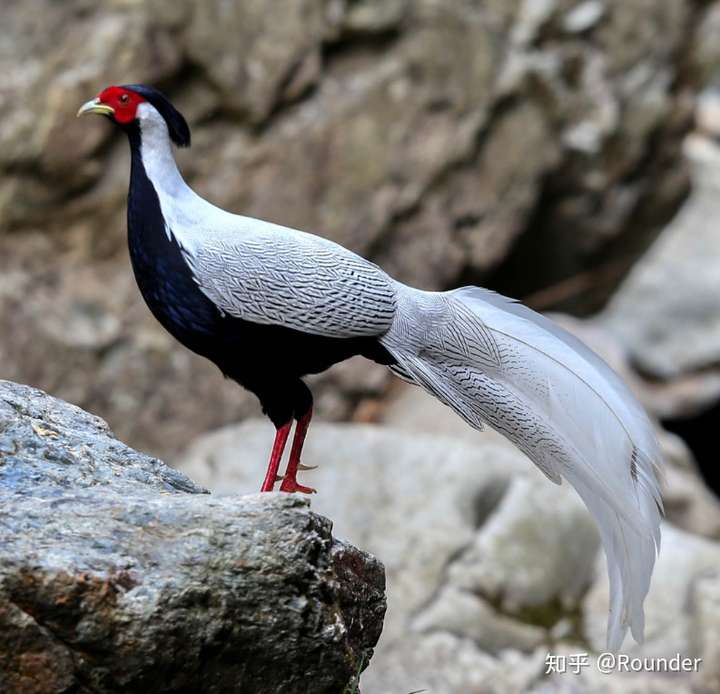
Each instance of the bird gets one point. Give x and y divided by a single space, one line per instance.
269 305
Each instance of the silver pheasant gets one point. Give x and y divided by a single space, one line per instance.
270 304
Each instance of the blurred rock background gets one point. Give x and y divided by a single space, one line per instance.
544 148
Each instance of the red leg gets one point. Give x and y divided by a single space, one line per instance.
289 483
281 437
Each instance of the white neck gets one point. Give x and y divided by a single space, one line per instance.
186 214
157 154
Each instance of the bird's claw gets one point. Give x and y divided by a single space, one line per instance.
292 486
307 467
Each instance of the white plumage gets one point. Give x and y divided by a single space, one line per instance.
490 359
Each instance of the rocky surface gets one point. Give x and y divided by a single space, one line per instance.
521 141
118 573
489 566
665 313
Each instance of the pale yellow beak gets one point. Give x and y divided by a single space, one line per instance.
94 106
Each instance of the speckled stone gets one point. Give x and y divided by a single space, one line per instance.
118 573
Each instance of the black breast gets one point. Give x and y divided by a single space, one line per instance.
243 350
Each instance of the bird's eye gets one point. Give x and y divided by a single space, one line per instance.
124 98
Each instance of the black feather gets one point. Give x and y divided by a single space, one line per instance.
176 123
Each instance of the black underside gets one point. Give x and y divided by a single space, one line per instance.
268 360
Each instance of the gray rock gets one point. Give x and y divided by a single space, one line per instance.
705 628
274 51
536 551
666 311
584 16
463 613
683 395
443 663
689 503
119 573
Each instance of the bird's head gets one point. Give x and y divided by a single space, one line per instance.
137 105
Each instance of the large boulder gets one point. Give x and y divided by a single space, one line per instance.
118 573
449 141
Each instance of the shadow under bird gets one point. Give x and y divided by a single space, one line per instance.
269 305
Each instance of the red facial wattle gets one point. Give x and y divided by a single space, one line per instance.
123 101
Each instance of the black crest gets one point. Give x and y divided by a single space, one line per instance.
176 123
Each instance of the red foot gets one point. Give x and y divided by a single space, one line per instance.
289 483
292 486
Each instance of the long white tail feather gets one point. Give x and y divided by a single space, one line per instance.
495 361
